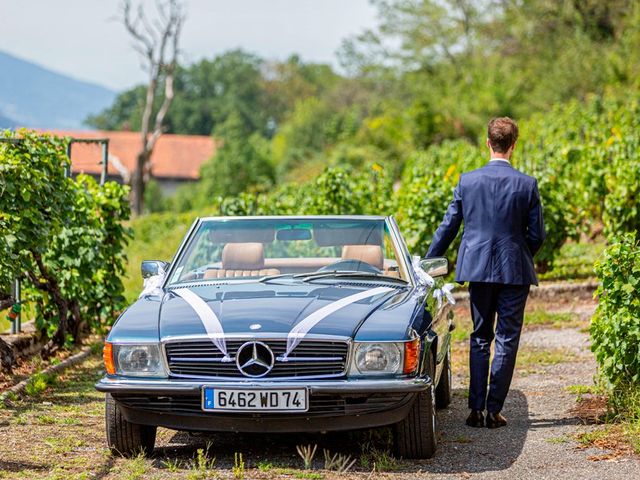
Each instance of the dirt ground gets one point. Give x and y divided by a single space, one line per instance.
59 433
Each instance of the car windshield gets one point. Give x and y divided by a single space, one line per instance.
258 248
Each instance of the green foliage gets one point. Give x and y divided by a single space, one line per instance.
427 190
63 237
240 164
154 199
39 382
615 329
622 174
235 82
155 237
312 126
456 64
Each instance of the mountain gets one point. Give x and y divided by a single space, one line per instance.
33 96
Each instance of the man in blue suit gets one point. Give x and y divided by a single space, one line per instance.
503 230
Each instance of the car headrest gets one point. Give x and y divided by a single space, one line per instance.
372 254
243 256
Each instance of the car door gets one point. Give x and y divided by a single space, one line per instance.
441 312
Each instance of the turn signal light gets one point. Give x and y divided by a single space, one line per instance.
107 356
411 356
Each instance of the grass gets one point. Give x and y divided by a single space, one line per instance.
575 261
557 440
580 389
625 402
5 324
155 237
553 319
594 437
537 357
619 408
288 472
39 383
379 459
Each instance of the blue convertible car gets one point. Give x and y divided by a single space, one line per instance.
283 324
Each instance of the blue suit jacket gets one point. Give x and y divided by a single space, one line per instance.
503 226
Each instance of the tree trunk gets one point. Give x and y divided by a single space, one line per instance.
137 184
6 301
53 288
7 359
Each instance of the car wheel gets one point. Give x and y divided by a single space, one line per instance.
443 391
415 436
126 438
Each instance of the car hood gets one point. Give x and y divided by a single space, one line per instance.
273 309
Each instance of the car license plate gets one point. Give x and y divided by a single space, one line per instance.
259 400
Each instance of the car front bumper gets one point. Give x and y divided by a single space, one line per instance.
333 404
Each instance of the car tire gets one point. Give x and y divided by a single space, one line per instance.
126 438
415 436
443 390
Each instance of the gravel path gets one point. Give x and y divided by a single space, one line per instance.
539 440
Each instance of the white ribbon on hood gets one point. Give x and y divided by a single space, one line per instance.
300 330
153 284
208 318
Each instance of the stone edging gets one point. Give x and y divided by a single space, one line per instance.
72 361
549 290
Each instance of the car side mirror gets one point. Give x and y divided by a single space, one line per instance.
436 266
150 268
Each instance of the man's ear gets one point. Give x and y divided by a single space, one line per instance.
488 144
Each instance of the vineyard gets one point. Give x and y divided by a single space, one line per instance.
586 158
62 238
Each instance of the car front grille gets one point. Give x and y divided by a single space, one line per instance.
319 405
310 359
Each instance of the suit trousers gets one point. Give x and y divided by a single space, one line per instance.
508 302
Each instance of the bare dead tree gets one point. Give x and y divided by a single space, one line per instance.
156 38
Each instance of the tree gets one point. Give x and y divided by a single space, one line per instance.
241 163
207 92
157 42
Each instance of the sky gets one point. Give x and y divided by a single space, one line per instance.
84 39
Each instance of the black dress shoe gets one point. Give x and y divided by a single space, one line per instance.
495 420
476 419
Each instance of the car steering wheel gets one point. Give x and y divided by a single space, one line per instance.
351 265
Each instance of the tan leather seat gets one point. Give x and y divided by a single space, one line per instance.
242 260
371 254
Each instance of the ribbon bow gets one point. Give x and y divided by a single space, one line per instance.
444 292
424 279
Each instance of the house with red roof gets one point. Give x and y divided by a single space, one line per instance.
176 159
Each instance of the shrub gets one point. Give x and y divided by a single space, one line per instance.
63 237
615 329
422 202
622 202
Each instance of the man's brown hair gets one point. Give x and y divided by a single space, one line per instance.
502 133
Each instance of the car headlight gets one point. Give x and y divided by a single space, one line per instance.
137 360
383 358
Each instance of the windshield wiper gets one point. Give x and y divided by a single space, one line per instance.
268 278
345 274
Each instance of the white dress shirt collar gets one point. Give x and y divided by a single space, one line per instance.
500 160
